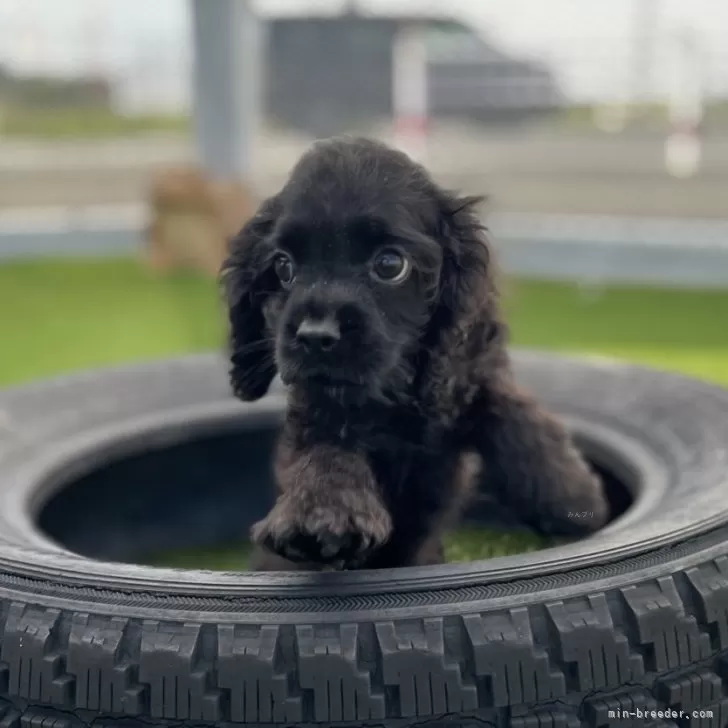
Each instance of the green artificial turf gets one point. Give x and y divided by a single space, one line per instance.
57 317
464 544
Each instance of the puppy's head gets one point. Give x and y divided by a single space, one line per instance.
342 278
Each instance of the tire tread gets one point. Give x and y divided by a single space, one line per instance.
654 644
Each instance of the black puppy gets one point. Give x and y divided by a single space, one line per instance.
372 292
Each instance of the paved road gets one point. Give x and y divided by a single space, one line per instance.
522 172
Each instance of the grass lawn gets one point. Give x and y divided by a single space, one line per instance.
85 123
59 316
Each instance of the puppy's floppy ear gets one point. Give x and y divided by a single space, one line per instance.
465 279
466 324
246 281
468 280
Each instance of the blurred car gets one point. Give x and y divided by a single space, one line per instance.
325 74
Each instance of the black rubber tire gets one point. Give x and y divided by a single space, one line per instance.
634 619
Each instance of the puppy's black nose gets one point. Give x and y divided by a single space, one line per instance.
318 334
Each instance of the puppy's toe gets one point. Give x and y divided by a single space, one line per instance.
297 548
333 546
342 551
373 530
261 535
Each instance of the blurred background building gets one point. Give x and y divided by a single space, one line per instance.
583 91
599 132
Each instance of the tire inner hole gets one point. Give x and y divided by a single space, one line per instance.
190 504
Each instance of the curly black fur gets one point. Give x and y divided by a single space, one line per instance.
413 404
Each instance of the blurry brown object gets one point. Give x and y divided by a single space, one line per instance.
193 217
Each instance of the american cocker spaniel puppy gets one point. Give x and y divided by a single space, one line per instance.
372 292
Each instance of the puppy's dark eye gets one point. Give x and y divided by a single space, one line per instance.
390 266
283 266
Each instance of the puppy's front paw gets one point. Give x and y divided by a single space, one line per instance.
339 529
578 512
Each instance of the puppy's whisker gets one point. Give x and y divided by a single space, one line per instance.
261 366
253 370
253 346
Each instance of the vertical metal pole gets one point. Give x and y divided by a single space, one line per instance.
410 92
226 85
646 15
685 106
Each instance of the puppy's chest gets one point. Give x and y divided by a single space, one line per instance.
374 429
394 442
384 430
